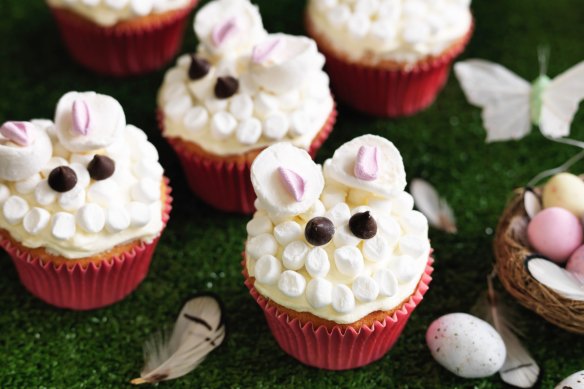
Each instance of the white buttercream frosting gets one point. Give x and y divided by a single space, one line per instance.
95 214
405 31
283 93
109 12
348 277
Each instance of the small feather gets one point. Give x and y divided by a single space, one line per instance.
519 368
435 208
567 284
199 329
531 202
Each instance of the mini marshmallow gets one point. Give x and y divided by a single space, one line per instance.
147 150
259 225
275 126
146 191
287 232
267 270
118 219
358 25
249 131
177 76
14 209
4 193
386 281
344 237
44 194
414 223
338 15
241 106
349 261
390 229
148 169
196 119
291 283
365 289
317 262
343 299
28 185
316 210
176 108
319 293
339 214
402 202
331 197
141 7
290 99
294 255
414 246
376 249
265 104
104 193
73 199
63 226
36 220
82 174
91 218
416 32
405 269
300 123
53 163
380 206
202 89
222 125
139 214
260 245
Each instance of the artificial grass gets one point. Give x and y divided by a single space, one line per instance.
41 346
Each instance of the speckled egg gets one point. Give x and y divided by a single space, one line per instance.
466 345
566 191
576 262
575 381
555 233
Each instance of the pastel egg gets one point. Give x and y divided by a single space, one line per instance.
555 233
576 262
574 381
566 191
466 345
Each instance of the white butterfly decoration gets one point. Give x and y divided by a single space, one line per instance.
510 104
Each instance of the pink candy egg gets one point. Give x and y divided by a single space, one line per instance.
555 233
576 261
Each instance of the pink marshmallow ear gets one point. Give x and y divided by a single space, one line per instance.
17 132
224 30
293 183
366 165
81 117
263 51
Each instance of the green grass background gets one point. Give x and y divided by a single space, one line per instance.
41 346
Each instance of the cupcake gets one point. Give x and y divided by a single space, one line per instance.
242 90
389 57
336 257
83 202
122 37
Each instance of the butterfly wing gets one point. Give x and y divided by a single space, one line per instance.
503 95
560 102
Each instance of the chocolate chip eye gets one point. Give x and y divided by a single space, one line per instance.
62 179
226 87
319 231
101 167
199 68
363 225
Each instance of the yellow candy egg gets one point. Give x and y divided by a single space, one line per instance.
566 191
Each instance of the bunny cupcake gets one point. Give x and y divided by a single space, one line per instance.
83 202
122 37
336 257
243 90
389 57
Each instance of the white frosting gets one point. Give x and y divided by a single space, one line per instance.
93 216
109 12
282 95
349 277
405 31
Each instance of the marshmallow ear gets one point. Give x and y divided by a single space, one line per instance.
286 180
370 163
88 121
20 161
281 62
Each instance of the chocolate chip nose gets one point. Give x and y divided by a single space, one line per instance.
319 231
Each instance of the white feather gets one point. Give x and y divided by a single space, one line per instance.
503 95
531 203
436 209
560 101
198 330
561 281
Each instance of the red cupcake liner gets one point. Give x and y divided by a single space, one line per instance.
338 348
227 185
391 93
83 288
122 52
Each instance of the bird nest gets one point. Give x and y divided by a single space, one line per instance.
511 252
